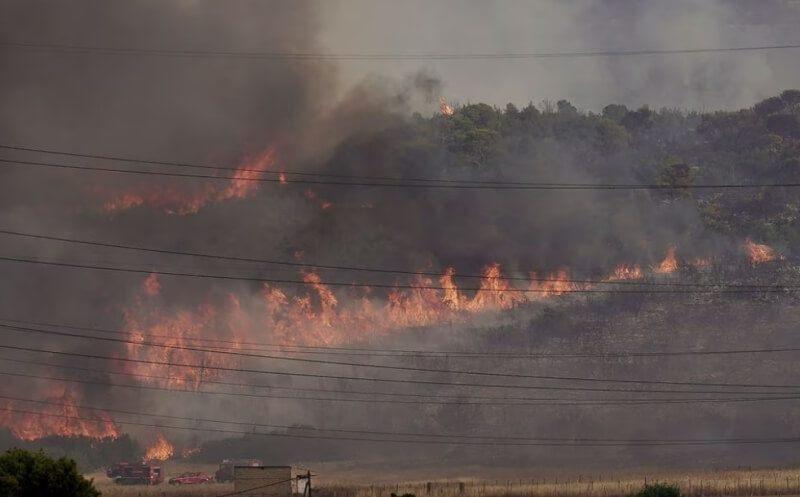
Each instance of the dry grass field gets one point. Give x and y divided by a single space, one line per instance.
693 484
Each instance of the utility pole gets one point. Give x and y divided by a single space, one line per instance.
307 488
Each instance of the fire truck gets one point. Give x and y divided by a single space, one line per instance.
135 474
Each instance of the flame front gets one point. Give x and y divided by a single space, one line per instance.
320 316
669 264
182 201
62 418
316 316
161 450
626 272
151 285
176 333
446 109
760 253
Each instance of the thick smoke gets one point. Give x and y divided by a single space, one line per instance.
228 111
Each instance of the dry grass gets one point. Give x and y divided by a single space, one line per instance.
697 484
716 484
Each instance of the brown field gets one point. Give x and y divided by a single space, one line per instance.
737 483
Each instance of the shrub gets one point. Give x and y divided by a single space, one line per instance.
659 490
34 474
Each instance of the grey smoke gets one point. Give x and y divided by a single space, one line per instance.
341 116
701 81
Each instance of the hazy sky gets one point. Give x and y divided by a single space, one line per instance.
704 81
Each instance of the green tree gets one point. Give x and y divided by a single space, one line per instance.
677 177
615 112
34 474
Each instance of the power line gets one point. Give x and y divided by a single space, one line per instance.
202 367
687 442
262 55
259 487
349 431
492 401
439 185
439 354
721 289
576 443
340 267
447 182
244 169
399 368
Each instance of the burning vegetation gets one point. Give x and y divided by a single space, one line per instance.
160 450
444 107
60 417
760 252
456 193
181 200
318 317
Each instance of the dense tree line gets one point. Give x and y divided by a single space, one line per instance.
555 142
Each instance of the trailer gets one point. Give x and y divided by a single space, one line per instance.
226 467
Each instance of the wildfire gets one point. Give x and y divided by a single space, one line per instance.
318 315
314 316
555 284
161 450
446 109
177 331
312 195
182 201
188 452
761 253
151 285
61 418
669 264
626 272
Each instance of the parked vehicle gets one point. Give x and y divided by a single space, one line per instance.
225 471
135 474
191 479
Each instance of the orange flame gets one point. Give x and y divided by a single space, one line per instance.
182 201
626 272
446 109
554 284
495 293
188 452
151 285
161 450
760 253
62 418
179 331
126 201
669 264
318 315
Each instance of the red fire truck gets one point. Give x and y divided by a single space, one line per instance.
135 474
